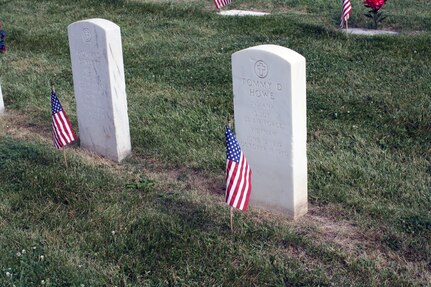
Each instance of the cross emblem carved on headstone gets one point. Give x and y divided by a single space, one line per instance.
261 69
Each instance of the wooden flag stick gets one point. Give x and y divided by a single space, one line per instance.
342 18
231 218
64 150
231 208
52 86
65 157
347 25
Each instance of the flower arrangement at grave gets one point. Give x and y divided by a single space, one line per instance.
2 36
374 12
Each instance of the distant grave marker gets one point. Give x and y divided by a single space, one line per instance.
369 32
1 102
242 13
269 87
100 89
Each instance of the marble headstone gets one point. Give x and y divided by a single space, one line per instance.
1 102
269 87
100 89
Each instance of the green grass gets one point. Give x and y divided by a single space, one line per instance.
159 218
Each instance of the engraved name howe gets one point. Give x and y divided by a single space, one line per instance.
270 123
263 116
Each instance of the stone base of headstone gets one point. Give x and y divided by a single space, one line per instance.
269 87
369 32
242 13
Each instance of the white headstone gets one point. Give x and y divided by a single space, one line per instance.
100 89
242 13
269 87
1 102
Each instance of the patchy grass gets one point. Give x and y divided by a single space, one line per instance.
159 218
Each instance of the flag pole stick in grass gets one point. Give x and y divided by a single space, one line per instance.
238 174
231 218
62 131
64 150
65 158
345 14
231 208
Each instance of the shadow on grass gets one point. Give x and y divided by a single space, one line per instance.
193 215
12 151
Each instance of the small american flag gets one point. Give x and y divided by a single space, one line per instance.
221 3
238 174
347 7
62 131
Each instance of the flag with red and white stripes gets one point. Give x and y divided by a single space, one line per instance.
238 174
221 3
62 131
347 7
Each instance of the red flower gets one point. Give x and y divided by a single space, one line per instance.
375 4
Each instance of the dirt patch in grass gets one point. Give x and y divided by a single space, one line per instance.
327 226
197 180
322 227
17 125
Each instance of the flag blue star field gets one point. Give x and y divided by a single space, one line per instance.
62 131
238 174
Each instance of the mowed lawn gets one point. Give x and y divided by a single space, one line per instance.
159 218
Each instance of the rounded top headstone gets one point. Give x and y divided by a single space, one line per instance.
87 28
269 93
99 85
287 54
102 23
